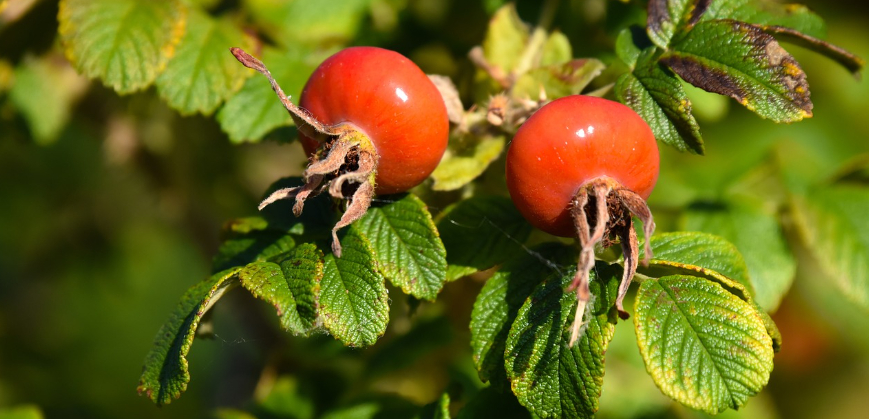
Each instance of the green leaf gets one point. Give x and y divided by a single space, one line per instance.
311 23
757 235
502 296
239 250
289 282
43 92
626 49
658 97
254 111
21 412
556 50
741 61
769 13
558 80
359 411
466 158
853 63
550 378
203 73
481 232
833 223
407 248
505 39
165 375
699 254
703 346
353 299
668 17
438 409
124 43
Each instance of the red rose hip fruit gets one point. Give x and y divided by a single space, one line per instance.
370 121
391 100
580 167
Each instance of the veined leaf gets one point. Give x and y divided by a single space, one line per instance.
558 80
842 56
757 235
481 232
699 254
742 61
462 163
165 375
668 17
353 298
833 222
309 22
407 248
550 378
658 97
493 402
124 43
290 282
203 73
255 110
505 39
703 346
769 13
502 296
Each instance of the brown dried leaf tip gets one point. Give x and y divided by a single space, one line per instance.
345 164
602 211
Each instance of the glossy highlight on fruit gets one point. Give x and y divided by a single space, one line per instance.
391 100
569 142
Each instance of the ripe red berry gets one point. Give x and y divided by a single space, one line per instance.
392 101
580 167
566 144
368 117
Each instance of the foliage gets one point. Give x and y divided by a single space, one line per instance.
700 311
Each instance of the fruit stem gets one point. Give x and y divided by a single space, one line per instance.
250 61
608 214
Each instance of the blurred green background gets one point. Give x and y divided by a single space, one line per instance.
111 206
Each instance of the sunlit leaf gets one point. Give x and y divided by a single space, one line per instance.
203 73
124 43
757 235
741 61
550 378
462 163
769 13
505 39
165 374
703 346
833 222
700 254
407 248
353 297
257 245
290 282
658 97
309 22
558 80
